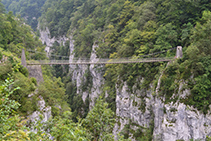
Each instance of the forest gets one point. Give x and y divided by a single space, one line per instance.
120 28
16 86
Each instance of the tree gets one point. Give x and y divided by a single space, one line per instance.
201 34
64 129
2 9
11 126
100 121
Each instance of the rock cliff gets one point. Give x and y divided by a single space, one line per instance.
78 73
140 110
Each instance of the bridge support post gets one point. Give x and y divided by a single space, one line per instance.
179 52
23 58
34 71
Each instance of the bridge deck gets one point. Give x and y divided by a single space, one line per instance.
100 61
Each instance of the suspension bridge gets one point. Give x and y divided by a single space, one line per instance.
87 61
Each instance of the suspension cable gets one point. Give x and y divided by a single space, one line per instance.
68 56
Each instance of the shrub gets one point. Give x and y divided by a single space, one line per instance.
1 55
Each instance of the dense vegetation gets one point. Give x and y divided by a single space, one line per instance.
193 71
120 28
19 94
132 28
30 10
97 125
129 28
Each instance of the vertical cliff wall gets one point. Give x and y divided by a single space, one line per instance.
140 112
79 73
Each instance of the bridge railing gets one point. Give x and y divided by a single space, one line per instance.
98 61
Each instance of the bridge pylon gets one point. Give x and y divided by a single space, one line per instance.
23 58
179 52
34 71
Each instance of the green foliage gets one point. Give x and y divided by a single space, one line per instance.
23 70
65 129
100 121
1 55
201 34
5 70
15 35
53 92
208 138
169 80
60 127
11 66
2 9
194 68
87 82
180 12
121 28
57 15
8 120
28 105
29 10
140 134
77 105
59 51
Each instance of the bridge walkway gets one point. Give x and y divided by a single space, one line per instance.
99 61
87 61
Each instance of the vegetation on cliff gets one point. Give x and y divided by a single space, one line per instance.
27 9
120 28
128 28
193 70
133 28
19 94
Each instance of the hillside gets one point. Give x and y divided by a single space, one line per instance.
27 9
38 110
151 101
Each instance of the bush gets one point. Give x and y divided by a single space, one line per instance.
5 70
34 80
24 71
1 55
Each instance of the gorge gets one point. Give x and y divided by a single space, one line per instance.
150 101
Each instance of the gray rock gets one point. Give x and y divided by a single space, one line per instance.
172 121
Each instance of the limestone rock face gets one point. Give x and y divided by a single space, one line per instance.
172 121
46 39
129 108
43 110
181 122
78 72
97 77
139 108
78 75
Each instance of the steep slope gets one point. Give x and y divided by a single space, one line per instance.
15 35
152 100
29 10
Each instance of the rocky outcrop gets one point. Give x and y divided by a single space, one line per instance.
141 109
172 121
97 77
46 39
177 121
36 72
79 76
132 108
44 110
78 72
